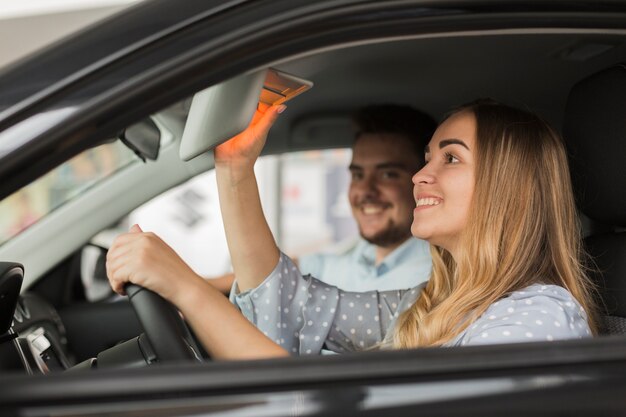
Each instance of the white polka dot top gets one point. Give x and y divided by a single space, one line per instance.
304 315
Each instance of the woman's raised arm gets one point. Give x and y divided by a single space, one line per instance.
253 251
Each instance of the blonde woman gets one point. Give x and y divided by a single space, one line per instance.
494 201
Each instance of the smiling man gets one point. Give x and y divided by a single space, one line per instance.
388 150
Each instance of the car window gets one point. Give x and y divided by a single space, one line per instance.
315 214
304 196
33 202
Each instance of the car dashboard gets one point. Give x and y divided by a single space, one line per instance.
37 340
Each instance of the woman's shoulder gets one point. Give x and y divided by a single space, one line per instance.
535 313
554 293
539 300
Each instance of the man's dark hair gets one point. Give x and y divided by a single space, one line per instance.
417 126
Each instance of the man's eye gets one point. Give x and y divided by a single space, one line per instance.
389 174
450 159
357 175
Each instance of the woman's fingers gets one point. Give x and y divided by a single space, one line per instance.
265 122
146 260
117 267
246 146
127 257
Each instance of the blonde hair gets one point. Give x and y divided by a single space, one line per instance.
522 229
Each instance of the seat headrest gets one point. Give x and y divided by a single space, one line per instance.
595 134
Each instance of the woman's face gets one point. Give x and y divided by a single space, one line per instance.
443 189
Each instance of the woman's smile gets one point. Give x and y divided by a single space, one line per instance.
443 188
427 201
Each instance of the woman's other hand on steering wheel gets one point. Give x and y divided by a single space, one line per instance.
144 259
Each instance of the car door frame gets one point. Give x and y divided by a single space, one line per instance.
145 81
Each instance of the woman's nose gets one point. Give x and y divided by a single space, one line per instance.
423 176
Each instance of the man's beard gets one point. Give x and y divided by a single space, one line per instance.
392 235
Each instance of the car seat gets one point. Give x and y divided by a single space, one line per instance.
595 134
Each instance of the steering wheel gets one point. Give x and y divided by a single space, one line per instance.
163 326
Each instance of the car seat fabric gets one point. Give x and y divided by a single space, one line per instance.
608 251
595 135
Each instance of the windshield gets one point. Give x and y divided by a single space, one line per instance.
30 204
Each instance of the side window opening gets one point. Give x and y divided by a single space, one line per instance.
67 181
304 196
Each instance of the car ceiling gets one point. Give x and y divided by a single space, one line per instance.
534 71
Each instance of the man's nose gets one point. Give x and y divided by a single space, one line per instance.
368 185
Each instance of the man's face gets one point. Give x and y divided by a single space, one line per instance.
381 191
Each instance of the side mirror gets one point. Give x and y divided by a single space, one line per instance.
143 138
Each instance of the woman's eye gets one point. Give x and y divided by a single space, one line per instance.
450 159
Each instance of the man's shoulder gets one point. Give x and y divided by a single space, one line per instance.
328 256
332 261
351 250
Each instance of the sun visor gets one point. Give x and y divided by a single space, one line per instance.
225 110
220 112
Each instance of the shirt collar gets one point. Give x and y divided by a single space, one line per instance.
366 254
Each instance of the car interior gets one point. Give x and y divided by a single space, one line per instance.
576 80
592 125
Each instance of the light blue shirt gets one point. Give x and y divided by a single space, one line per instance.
304 315
407 266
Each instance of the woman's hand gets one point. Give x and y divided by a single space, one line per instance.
245 148
144 259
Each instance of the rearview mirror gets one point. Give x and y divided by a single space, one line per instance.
143 138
